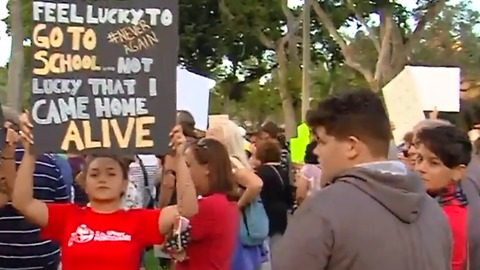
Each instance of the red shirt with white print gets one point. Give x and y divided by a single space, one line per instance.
96 241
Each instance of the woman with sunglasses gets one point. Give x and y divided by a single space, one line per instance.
102 235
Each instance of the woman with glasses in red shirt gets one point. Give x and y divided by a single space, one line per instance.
102 235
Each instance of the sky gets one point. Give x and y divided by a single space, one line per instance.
5 40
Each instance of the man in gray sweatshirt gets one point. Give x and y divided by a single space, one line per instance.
373 213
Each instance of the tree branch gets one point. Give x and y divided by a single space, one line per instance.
370 32
287 11
291 32
383 56
222 5
433 10
267 42
329 26
346 50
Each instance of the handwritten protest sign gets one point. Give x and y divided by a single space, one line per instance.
403 105
104 75
217 119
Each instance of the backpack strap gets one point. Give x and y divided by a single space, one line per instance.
151 201
280 178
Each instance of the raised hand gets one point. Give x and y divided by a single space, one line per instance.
11 137
177 140
433 114
26 131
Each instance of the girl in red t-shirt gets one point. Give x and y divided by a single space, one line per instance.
102 236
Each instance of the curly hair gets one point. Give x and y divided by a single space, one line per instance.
357 113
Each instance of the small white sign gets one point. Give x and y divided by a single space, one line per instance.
403 105
193 95
217 119
437 87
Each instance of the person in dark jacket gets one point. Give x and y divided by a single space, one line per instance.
372 213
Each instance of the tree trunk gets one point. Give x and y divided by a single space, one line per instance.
393 52
15 67
306 57
287 101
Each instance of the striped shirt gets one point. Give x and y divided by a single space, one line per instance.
136 176
20 245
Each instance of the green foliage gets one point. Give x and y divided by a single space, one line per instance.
248 17
451 40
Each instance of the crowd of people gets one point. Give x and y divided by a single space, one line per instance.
226 200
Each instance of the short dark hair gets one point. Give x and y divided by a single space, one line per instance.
271 129
214 154
268 151
187 121
359 113
449 144
310 156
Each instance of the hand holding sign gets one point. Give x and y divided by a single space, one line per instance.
177 140
26 131
433 115
11 136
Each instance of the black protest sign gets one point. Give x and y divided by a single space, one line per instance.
104 75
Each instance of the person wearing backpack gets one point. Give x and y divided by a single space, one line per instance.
276 192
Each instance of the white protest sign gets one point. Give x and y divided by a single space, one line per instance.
437 87
193 95
217 119
403 105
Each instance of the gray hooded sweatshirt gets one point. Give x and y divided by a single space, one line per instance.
471 188
376 216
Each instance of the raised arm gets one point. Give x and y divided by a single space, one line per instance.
187 201
246 178
4 193
8 170
167 182
187 205
22 196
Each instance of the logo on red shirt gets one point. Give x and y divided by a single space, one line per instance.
83 234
